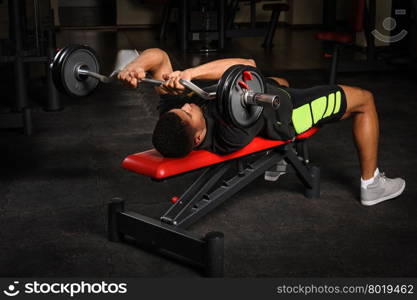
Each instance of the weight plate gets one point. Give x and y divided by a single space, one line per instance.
56 69
222 85
225 95
227 100
64 68
229 95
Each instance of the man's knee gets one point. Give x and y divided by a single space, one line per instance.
251 62
358 99
367 99
284 82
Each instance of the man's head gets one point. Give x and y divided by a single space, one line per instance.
180 130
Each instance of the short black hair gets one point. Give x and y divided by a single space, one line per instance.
173 137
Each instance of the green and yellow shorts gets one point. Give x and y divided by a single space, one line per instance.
314 106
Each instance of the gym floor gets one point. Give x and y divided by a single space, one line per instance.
55 184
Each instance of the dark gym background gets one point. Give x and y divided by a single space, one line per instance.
56 182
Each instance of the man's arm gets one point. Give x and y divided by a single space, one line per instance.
209 71
153 60
157 62
215 69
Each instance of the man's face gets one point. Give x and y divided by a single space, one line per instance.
193 115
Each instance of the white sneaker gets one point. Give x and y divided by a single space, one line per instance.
382 189
277 171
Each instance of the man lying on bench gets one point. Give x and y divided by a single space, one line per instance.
189 122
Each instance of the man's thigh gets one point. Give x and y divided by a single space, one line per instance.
317 106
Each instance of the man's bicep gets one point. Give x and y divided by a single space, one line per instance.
214 70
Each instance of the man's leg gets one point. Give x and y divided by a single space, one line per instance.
375 187
361 106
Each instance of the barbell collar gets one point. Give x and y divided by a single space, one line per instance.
251 98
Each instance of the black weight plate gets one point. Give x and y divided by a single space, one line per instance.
56 68
64 68
249 115
226 94
231 96
75 85
222 85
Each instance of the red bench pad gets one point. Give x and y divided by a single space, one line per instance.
151 163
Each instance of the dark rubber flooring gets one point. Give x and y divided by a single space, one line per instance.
55 185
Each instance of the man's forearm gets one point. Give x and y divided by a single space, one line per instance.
150 60
215 69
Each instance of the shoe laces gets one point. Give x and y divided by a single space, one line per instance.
382 176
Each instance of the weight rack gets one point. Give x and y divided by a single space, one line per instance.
19 56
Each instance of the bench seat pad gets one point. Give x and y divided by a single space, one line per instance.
152 164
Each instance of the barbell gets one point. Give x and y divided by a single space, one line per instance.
240 93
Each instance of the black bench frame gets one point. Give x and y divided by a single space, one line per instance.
168 236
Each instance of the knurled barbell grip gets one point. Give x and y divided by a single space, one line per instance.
251 98
152 81
106 79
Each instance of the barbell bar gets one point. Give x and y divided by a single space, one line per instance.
240 91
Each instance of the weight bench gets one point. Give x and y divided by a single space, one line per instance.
224 175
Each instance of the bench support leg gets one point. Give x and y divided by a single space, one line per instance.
314 191
115 207
214 249
309 175
206 254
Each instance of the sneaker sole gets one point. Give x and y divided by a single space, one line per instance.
272 178
373 202
269 178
